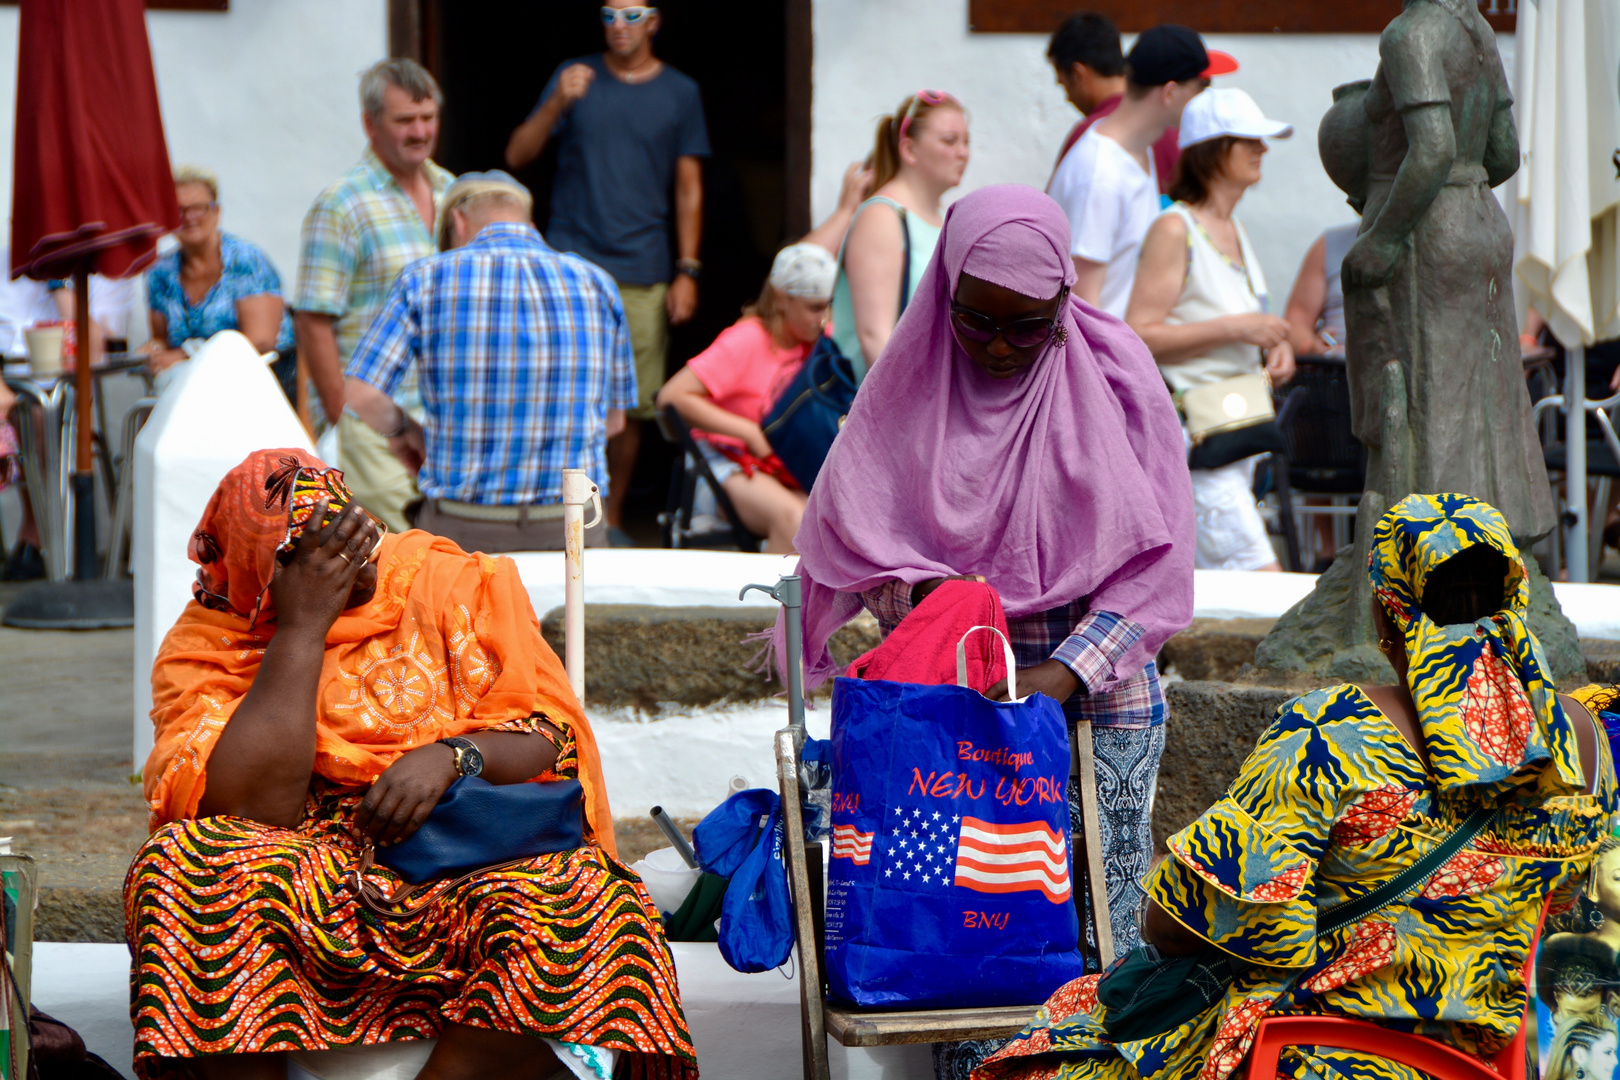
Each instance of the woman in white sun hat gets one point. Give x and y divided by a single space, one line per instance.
1199 303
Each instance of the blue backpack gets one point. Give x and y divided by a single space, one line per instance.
804 421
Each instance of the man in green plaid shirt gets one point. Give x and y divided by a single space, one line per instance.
360 233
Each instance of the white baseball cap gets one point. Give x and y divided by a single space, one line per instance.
1225 111
808 271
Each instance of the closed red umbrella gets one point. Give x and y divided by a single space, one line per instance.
92 188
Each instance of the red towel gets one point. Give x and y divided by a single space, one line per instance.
922 648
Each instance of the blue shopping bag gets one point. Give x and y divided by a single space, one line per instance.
741 839
950 883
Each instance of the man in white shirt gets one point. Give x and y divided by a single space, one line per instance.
1107 182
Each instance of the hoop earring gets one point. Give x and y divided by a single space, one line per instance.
1580 1074
1384 645
1591 915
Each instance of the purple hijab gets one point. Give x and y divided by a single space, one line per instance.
1067 481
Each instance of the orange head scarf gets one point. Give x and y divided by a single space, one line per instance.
448 645
258 511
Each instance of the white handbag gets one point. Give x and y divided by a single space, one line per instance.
1229 405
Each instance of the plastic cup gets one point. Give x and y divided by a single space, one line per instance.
44 351
667 877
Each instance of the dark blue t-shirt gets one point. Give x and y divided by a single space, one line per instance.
616 151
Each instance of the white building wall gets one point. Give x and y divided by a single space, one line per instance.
870 54
265 95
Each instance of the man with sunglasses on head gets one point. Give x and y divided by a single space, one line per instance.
1108 182
630 139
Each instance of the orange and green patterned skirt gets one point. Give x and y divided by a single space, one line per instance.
246 939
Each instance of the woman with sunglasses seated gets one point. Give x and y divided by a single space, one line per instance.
326 686
920 154
1016 435
728 389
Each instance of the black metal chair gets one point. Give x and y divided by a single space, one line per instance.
1325 459
1602 466
691 469
1271 474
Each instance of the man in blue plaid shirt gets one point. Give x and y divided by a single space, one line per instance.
525 366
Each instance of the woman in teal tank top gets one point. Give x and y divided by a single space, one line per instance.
920 154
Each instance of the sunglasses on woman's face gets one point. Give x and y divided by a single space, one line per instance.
628 15
1019 333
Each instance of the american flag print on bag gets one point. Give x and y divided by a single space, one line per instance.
1012 858
849 843
932 848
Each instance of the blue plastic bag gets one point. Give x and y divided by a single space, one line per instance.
742 839
951 881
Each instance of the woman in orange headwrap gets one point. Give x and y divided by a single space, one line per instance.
300 705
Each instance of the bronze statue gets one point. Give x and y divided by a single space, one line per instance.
1438 394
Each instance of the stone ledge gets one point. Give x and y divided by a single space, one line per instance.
644 656
1212 728
1216 649
81 897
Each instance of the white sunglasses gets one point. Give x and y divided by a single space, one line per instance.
628 16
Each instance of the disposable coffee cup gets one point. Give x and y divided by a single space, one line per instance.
44 350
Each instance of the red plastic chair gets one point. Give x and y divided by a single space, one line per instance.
1427 1056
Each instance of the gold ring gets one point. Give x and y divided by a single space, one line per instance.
344 555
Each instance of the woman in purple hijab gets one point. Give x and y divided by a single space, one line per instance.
1013 433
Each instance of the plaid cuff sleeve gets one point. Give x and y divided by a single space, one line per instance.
888 603
1099 640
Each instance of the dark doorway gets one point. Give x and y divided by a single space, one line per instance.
493 58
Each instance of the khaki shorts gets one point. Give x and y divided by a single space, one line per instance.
644 311
379 482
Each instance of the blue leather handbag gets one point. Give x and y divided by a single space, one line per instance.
477 827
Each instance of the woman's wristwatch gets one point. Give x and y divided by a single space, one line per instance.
469 760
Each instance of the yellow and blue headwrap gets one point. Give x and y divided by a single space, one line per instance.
1485 698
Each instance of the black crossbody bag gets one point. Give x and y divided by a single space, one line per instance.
1145 993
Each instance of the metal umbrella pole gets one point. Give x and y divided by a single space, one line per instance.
1575 556
84 472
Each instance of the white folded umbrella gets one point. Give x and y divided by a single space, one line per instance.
1565 199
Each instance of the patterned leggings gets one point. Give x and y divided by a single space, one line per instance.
1127 771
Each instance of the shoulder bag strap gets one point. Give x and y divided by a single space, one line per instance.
1396 888
905 261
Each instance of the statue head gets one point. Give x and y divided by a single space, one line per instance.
1344 140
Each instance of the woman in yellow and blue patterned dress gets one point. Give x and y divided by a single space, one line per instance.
1347 788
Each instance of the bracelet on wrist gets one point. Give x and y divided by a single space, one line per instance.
404 424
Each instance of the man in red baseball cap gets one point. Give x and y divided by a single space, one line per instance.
1109 181
1090 66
